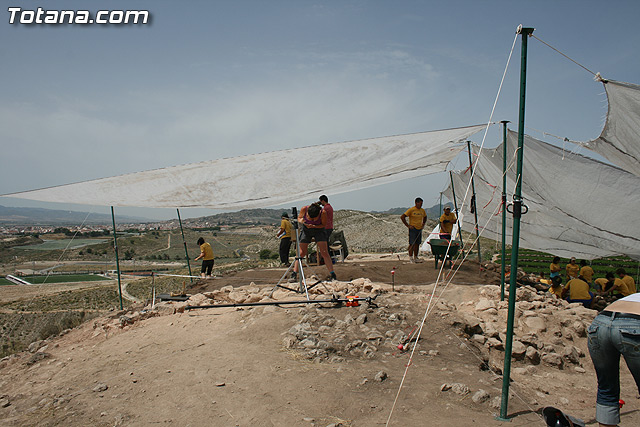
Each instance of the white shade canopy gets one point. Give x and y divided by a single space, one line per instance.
577 206
268 179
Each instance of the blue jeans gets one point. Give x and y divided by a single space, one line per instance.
610 337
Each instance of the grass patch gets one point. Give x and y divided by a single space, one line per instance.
21 329
105 297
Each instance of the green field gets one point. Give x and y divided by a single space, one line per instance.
58 278
64 278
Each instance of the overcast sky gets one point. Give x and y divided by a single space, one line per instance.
213 79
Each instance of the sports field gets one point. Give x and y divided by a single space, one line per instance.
58 278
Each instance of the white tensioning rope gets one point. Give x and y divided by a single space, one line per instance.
429 305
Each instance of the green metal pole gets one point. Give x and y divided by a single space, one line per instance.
186 253
455 206
517 212
504 205
473 202
115 247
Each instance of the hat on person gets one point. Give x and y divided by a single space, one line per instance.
284 215
447 208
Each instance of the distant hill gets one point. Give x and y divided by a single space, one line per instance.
245 217
432 213
39 216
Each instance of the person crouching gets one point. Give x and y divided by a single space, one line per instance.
314 219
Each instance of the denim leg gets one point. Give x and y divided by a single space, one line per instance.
630 345
606 361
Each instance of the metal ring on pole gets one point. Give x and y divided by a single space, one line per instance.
517 208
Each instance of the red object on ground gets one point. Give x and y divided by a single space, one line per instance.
351 302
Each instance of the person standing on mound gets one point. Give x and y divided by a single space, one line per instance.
313 220
417 218
206 254
324 201
447 219
285 238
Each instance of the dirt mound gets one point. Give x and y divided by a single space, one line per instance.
309 365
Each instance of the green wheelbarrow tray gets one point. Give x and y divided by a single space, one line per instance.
439 249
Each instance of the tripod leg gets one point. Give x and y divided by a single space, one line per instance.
282 278
303 280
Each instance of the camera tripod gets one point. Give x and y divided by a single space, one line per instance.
302 288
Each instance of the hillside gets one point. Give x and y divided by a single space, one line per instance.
314 365
39 216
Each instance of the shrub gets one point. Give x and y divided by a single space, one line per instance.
265 254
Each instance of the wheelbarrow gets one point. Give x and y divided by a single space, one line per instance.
439 250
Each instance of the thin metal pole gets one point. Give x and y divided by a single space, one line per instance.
186 252
115 247
473 202
517 212
504 205
347 300
455 206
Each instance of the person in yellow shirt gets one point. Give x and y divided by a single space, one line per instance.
447 219
586 272
554 268
206 254
417 218
614 286
573 269
628 281
578 291
285 238
556 287
603 284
